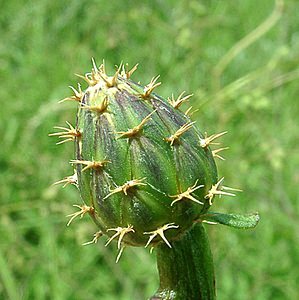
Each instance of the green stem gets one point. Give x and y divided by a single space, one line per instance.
186 270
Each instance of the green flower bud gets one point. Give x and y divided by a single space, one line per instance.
144 170
142 164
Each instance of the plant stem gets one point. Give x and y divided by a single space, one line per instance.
186 270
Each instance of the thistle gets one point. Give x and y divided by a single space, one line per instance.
147 177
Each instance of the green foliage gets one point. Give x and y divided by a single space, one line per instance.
233 220
254 97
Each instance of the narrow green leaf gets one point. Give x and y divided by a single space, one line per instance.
232 220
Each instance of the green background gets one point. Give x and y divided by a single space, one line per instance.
239 58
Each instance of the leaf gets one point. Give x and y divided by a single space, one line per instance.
233 220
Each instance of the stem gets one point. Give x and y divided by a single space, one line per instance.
186 270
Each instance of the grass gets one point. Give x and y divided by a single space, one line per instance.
244 77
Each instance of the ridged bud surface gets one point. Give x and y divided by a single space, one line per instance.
137 156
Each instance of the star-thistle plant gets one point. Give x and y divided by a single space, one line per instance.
147 177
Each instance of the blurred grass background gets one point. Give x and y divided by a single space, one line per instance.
241 61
